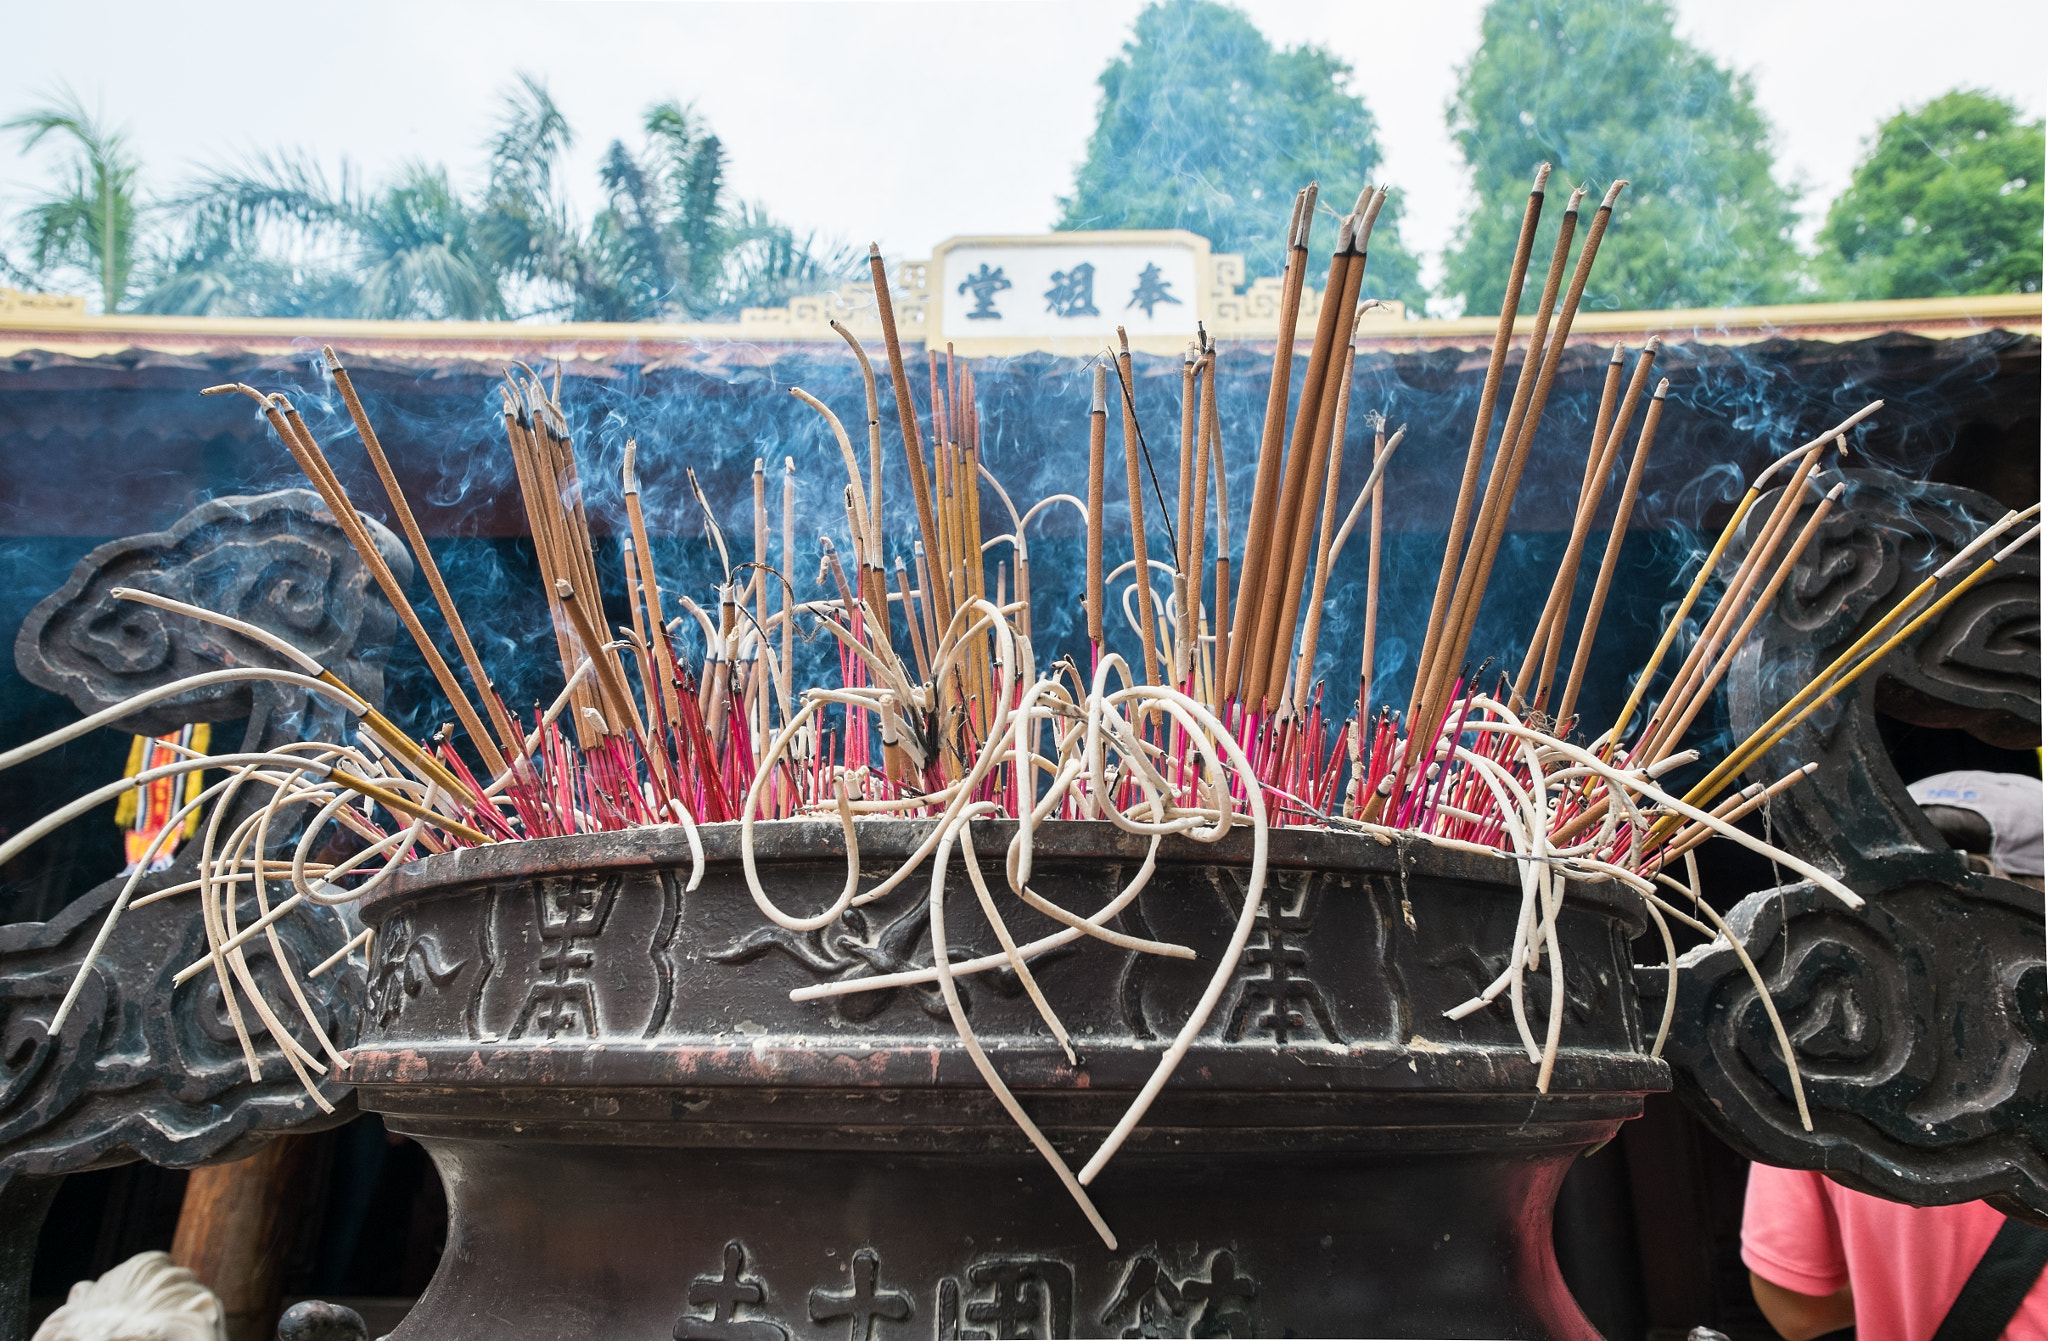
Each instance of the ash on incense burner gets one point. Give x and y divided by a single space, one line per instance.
1003 996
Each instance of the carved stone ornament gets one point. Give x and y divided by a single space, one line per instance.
1919 1021
142 1069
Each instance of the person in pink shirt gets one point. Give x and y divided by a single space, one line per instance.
1822 1258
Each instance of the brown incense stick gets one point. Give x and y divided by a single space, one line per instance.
906 411
1704 692
1611 559
650 591
1501 480
1495 527
611 681
1748 571
313 462
526 464
1305 671
1195 528
1141 567
877 576
1219 467
1548 639
1098 439
1282 535
508 735
1677 621
1300 540
1185 589
1372 579
1266 481
358 536
924 665
554 548
1475 455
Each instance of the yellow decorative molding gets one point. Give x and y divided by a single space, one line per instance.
14 302
59 323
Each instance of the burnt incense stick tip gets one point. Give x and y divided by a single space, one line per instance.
1364 198
1345 228
631 477
1663 389
1367 218
1613 193
1617 358
875 250
1578 194
1542 177
1123 342
1099 404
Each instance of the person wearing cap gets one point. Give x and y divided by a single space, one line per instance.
1993 818
1823 1258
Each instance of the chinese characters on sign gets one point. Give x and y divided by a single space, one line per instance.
1073 292
1078 290
984 285
1151 290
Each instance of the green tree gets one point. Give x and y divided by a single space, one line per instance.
1604 89
278 237
1947 201
409 250
668 245
1204 125
89 222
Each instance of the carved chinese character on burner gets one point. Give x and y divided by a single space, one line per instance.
1276 996
1026 1297
1222 1305
1149 1300
1151 1303
726 1295
862 1304
571 913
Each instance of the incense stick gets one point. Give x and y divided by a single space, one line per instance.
1611 558
508 735
1098 412
1141 567
1475 454
1266 482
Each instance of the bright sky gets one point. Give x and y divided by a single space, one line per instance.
903 123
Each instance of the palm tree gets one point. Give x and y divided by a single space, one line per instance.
90 223
277 237
409 250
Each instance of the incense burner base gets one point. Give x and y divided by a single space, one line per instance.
641 1136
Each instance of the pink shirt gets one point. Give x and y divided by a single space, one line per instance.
1810 1234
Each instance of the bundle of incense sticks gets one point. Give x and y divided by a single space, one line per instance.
945 713
651 732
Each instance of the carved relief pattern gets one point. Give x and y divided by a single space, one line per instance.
142 1069
1916 1022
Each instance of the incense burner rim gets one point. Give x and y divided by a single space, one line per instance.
894 840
